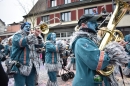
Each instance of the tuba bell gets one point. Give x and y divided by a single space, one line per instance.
44 28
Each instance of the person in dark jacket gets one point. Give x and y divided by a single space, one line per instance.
3 77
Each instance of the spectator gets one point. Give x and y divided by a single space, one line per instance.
95 11
8 51
51 59
1 46
103 10
3 77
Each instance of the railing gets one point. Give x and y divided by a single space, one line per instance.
51 20
105 19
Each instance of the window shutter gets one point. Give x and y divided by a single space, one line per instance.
80 13
51 17
73 15
109 8
62 2
49 3
57 15
57 1
72 0
99 9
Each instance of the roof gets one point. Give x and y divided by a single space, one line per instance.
40 6
2 22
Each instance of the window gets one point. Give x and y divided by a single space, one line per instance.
45 19
57 34
81 0
63 34
66 16
53 3
89 10
67 1
69 34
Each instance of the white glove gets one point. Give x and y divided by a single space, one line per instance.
32 39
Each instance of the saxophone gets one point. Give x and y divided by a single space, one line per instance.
119 12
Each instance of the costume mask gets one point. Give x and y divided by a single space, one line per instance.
53 37
92 25
89 26
26 27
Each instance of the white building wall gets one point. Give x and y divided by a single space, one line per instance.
2 27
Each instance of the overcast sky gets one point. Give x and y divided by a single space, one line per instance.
11 11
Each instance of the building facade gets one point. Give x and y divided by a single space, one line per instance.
10 30
62 15
2 27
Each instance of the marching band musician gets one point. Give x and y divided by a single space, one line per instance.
52 50
89 58
127 47
51 59
25 55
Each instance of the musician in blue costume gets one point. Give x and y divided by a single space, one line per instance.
127 47
89 58
51 59
24 52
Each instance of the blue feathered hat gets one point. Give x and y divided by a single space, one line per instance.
26 23
50 36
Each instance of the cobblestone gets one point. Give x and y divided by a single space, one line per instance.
43 77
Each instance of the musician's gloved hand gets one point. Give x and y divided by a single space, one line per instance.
61 45
32 39
123 43
116 52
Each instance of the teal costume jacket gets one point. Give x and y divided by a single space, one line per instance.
20 49
8 50
127 39
88 60
50 51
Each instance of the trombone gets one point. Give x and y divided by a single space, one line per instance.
44 26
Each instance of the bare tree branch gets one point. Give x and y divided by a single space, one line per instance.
33 10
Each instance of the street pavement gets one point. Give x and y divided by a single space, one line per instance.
43 77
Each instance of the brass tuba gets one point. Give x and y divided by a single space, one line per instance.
111 33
